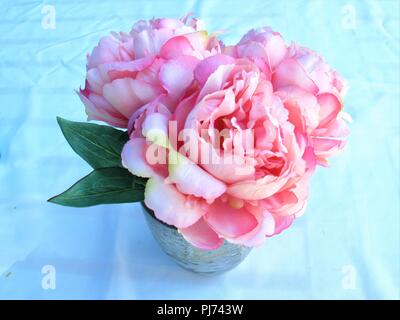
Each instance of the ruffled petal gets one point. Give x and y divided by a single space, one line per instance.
106 51
176 47
216 80
176 75
134 158
291 73
228 168
329 108
258 189
202 236
155 129
228 221
120 69
207 66
102 112
171 206
282 223
193 180
121 93
265 227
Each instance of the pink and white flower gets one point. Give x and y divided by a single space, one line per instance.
155 59
220 186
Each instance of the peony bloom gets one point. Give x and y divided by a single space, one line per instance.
311 91
233 158
155 59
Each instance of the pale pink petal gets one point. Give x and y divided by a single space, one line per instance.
282 222
100 113
106 51
155 128
258 189
147 42
228 221
325 148
216 80
176 75
176 47
171 206
287 202
329 108
265 227
263 43
303 108
309 158
121 93
182 111
134 158
198 40
291 73
122 69
335 129
276 49
202 236
193 180
207 66
96 80
229 168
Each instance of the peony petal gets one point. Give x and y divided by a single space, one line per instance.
155 129
263 43
176 75
134 158
176 47
329 108
198 40
258 189
106 51
288 202
216 80
282 223
130 67
303 108
121 94
228 167
202 236
96 80
276 49
265 227
207 66
228 221
100 112
325 148
291 73
191 179
171 206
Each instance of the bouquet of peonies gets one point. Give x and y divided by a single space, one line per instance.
220 141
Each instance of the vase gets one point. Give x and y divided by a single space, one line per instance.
206 262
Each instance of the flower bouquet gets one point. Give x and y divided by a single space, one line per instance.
219 142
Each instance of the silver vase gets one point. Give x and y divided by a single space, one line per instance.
207 262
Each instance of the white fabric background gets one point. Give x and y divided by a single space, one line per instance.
351 226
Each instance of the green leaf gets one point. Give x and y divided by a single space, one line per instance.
103 186
98 145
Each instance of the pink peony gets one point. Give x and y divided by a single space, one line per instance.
311 91
128 70
258 118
